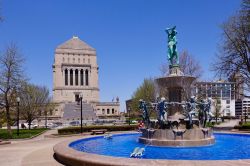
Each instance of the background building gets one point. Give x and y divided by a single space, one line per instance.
220 90
242 108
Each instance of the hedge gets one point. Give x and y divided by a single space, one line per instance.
75 130
243 126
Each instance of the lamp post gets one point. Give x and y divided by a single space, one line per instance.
81 110
18 102
46 119
129 115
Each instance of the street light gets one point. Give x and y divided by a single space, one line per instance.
81 111
129 115
18 101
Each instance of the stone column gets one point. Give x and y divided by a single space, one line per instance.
74 77
83 76
68 77
79 77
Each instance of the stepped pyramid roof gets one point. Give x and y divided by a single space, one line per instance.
76 44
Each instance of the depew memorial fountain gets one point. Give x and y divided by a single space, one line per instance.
178 123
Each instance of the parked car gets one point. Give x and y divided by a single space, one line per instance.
219 120
74 123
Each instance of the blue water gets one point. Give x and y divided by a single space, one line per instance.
226 147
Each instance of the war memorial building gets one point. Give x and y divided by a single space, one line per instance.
75 75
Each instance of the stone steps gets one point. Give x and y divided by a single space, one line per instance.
72 111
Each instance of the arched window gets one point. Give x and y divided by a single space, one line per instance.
71 77
87 77
66 76
76 77
83 60
81 77
113 111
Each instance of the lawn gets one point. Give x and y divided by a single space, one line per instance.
23 133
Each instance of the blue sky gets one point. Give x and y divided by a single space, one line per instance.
128 35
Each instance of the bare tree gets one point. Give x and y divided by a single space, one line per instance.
188 65
234 51
11 75
33 100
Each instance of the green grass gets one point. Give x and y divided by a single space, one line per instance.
23 133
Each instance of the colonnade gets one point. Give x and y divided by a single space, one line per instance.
76 77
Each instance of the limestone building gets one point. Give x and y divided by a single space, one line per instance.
75 74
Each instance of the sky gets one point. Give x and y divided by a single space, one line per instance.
128 36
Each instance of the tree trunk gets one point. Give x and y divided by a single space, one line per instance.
29 124
8 120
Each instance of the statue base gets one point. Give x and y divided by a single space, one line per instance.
177 137
174 70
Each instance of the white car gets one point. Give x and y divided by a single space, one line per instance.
219 120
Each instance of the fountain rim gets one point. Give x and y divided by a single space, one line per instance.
67 155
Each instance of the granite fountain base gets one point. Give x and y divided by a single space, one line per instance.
177 137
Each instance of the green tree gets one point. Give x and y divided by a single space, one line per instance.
234 50
34 99
146 91
217 105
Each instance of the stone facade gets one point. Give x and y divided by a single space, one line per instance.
75 74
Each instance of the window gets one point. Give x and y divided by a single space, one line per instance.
66 76
228 101
113 111
73 60
88 60
108 111
83 60
103 111
71 77
81 77
78 60
86 77
76 77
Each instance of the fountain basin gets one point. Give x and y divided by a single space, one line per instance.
180 138
230 149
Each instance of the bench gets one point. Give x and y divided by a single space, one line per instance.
100 131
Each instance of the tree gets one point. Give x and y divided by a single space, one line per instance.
146 91
234 51
188 65
33 100
11 74
217 105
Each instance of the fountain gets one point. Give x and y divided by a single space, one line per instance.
178 124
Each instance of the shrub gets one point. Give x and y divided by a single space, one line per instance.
243 126
75 130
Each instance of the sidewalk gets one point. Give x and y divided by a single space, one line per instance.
33 152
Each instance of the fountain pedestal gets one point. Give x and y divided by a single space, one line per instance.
177 137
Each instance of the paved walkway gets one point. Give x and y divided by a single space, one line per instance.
34 152
229 123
